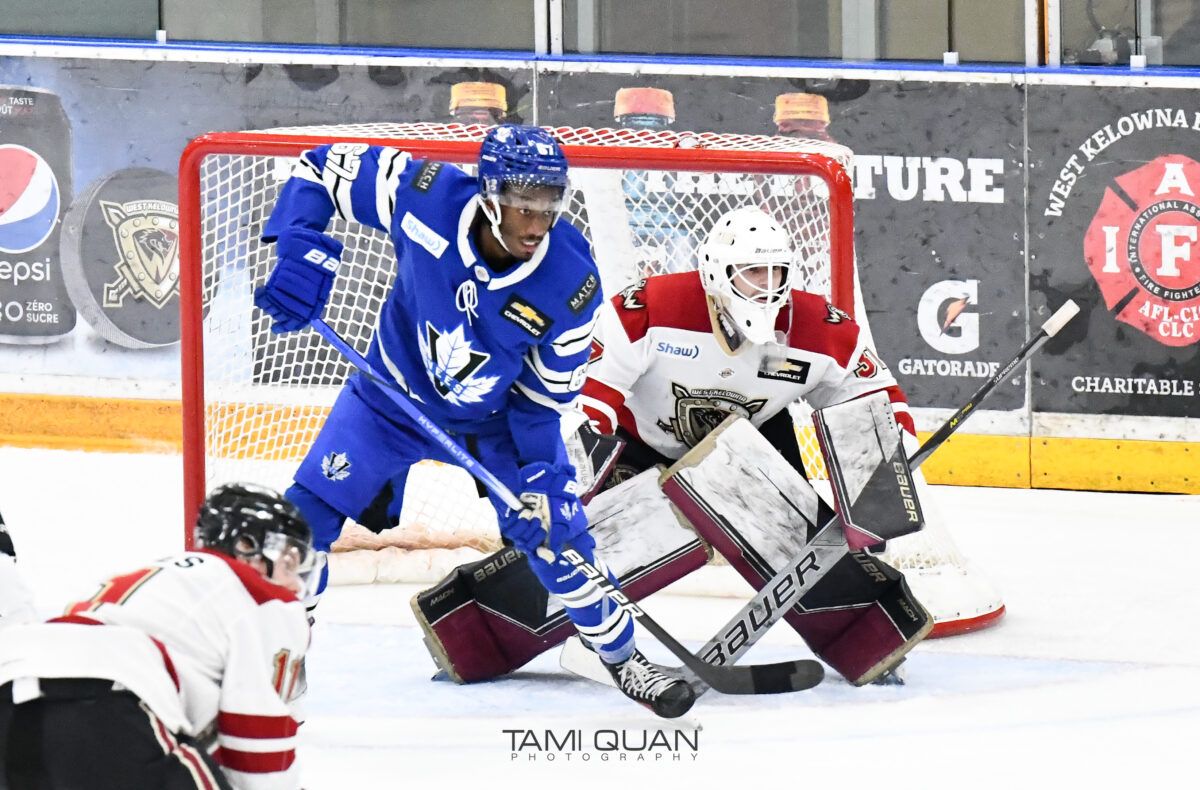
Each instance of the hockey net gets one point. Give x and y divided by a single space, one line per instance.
254 401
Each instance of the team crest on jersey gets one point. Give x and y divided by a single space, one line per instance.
699 411
452 365
526 316
835 314
335 466
632 297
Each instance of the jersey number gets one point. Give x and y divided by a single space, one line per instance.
286 672
115 591
347 160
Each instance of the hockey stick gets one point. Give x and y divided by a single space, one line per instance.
756 679
778 595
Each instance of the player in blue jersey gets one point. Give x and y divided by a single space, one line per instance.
487 329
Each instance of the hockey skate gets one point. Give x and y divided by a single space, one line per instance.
645 682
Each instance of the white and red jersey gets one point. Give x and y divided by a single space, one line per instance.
658 371
205 641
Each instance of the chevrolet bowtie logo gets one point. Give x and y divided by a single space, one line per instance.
527 312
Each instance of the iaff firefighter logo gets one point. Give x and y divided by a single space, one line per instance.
698 411
146 233
1141 247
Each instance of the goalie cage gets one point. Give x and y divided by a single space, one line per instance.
253 401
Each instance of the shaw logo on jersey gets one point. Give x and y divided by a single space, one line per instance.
29 199
691 352
452 364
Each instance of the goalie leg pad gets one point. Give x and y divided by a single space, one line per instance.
852 610
492 616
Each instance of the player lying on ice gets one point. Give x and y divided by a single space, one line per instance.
674 356
177 675
488 329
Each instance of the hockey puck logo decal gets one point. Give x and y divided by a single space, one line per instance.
1143 249
120 253
146 235
29 199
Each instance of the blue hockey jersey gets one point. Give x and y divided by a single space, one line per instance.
473 346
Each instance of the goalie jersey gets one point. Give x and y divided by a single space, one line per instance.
470 344
208 644
659 373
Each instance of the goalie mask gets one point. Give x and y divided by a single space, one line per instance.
522 167
253 524
747 271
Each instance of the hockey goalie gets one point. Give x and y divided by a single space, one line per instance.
674 357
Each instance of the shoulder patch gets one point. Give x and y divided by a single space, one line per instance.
583 294
426 175
526 316
633 298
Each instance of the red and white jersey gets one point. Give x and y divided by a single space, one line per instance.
658 371
204 640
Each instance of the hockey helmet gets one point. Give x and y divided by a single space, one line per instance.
246 521
523 167
747 271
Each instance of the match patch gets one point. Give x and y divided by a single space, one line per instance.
583 294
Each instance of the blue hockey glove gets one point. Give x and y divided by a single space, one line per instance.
299 286
522 531
551 497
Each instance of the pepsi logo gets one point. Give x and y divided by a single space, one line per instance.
29 199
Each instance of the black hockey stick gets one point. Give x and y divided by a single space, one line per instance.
756 679
778 595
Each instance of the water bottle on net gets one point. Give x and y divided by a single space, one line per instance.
659 220
484 103
802 207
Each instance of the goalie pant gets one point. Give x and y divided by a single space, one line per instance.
130 687
490 617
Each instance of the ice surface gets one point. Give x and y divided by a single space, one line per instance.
1092 680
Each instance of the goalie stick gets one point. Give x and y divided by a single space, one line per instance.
778 595
777 678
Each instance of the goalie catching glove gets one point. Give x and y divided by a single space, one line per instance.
299 286
551 506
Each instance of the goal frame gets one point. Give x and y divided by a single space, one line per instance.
696 159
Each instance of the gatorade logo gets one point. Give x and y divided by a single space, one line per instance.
29 199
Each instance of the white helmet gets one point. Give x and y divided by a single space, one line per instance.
744 239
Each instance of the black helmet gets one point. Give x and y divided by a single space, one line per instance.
243 521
